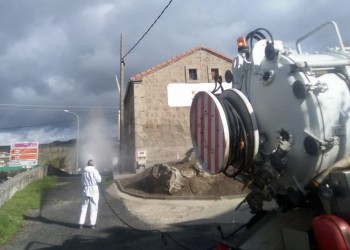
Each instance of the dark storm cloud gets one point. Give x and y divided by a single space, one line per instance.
54 53
66 53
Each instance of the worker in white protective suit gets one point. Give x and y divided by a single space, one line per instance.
90 178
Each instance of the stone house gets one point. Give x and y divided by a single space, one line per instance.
157 106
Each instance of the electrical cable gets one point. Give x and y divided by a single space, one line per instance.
36 125
216 88
164 235
122 59
50 107
218 85
256 34
52 123
245 225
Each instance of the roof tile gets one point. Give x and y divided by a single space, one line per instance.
139 76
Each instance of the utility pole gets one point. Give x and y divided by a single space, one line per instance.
121 107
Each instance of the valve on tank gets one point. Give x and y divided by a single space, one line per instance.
278 157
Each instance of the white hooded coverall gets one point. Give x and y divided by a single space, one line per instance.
90 177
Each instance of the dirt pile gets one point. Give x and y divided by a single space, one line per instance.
196 185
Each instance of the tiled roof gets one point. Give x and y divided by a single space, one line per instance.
139 76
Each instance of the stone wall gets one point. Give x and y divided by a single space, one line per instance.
59 154
20 181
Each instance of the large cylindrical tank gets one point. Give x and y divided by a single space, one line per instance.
295 110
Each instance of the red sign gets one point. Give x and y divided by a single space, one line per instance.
24 157
24 151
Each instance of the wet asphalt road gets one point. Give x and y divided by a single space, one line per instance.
54 226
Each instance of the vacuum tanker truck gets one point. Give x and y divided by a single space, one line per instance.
283 130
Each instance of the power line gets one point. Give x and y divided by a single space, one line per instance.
122 60
47 124
50 107
36 125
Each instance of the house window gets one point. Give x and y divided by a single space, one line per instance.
214 73
193 74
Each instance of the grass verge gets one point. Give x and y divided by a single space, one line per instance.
12 212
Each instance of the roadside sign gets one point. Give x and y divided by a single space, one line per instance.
24 153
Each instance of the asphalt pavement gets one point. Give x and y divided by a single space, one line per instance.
54 225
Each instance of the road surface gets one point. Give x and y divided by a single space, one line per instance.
123 222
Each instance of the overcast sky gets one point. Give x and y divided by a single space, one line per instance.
64 54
